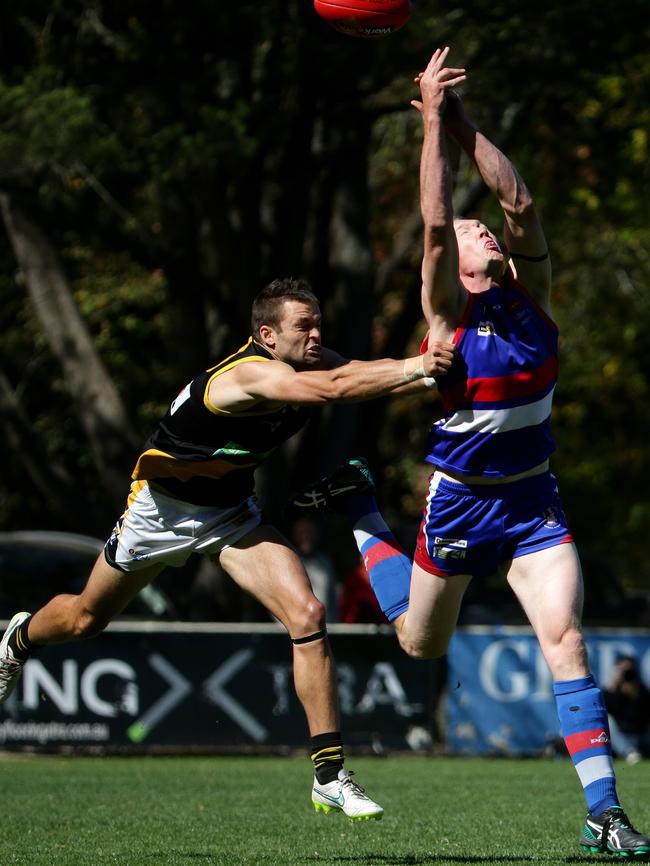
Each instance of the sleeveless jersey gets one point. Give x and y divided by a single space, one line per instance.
208 456
497 396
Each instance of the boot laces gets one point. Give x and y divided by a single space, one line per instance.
618 818
354 787
9 667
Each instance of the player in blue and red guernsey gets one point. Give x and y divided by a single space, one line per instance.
492 504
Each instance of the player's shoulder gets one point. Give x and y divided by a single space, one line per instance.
255 366
537 295
330 359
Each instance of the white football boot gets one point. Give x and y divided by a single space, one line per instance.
345 796
10 666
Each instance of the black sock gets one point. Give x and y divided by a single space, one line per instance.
20 644
327 756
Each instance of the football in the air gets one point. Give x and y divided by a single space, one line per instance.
364 19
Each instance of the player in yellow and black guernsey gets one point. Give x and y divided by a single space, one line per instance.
207 455
193 492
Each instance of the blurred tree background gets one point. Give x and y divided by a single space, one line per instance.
159 163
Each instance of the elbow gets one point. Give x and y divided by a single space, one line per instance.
436 233
432 257
525 210
523 207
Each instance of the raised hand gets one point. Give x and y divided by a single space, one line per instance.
435 81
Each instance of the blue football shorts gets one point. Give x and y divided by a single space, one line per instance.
471 529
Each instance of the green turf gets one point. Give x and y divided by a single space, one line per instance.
257 811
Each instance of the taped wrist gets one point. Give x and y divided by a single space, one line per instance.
417 373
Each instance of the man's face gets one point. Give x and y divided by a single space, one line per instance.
478 250
297 337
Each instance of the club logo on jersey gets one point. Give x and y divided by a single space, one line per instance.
449 548
485 329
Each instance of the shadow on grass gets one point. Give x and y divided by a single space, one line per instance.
424 859
169 854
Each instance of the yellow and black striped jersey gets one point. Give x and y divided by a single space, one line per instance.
208 456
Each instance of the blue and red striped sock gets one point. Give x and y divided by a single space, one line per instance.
585 728
388 566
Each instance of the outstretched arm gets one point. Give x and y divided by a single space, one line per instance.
276 383
442 292
523 231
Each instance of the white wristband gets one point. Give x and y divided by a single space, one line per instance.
429 382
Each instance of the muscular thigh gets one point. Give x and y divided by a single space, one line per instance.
548 584
434 605
266 566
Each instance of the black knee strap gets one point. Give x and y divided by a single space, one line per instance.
318 635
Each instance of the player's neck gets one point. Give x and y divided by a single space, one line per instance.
482 279
476 283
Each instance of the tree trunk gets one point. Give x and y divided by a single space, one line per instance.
95 397
55 485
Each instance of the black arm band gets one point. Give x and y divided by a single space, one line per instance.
310 637
528 258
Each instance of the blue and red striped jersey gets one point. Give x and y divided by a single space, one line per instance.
497 396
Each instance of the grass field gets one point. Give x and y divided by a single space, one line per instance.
257 811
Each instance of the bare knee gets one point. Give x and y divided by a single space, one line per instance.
566 656
425 647
307 618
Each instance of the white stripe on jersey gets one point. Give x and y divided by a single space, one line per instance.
498 420
592 769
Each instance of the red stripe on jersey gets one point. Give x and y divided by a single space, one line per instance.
495 388
381 551
586 740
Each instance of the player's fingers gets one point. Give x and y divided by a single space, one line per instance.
417 104
452 82
442 56
448 75
445 350
434 59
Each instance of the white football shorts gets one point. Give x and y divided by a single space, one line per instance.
156 529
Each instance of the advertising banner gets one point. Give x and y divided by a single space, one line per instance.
202 687
500 698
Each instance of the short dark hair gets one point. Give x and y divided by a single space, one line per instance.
267 306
